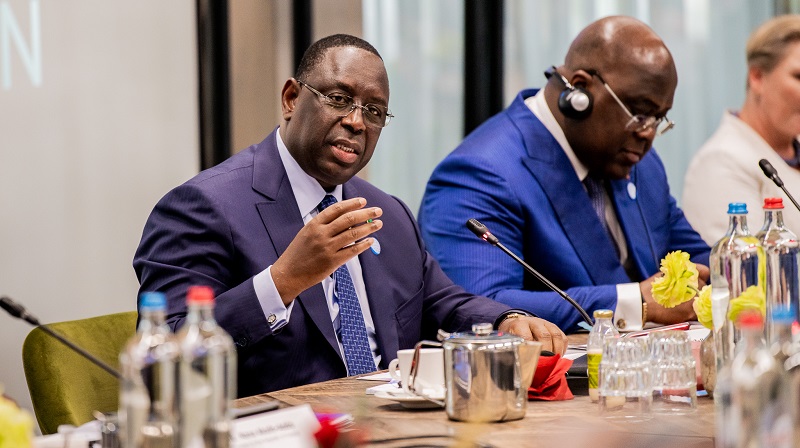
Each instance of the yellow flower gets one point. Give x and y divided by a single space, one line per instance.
679 282
16 425
702 307
752 299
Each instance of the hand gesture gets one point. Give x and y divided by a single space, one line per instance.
334 236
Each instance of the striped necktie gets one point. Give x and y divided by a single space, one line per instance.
597 195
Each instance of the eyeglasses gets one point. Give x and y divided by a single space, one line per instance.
343 105
638 123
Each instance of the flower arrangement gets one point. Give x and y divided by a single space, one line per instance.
702 307
16 425
679 281
679 284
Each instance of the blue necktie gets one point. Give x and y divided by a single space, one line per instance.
597 195
357 353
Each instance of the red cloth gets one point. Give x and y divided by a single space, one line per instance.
550 380
328 433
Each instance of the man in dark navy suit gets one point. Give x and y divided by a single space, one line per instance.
318 274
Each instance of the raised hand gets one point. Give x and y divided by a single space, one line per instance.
334 236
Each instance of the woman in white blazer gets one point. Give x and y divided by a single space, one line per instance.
725 169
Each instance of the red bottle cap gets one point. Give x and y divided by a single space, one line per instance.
773 203
750 319
200 294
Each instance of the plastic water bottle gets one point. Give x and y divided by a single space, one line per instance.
148 407
760 404
734 267
603 328
782 251
207 374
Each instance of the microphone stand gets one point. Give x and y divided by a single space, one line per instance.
18 311
772 173
548 283
483 233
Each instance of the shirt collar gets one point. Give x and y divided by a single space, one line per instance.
307 191
538 105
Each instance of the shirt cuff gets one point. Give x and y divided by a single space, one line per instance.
276 313
628 315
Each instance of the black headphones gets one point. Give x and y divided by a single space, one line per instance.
573 102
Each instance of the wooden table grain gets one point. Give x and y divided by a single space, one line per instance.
546 424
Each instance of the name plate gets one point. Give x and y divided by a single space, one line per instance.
285 428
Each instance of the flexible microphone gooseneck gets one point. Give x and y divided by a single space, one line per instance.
19 311
772 173
483 233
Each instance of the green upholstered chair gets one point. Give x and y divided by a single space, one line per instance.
65 388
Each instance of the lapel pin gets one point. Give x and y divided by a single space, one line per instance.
375 247
631 190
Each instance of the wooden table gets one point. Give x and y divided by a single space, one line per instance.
547 424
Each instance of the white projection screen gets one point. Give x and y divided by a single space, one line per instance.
98 119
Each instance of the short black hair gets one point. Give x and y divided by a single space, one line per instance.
314 54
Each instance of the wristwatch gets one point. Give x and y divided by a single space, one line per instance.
510 314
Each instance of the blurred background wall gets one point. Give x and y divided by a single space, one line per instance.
105 106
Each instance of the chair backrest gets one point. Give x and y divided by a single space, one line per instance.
65 388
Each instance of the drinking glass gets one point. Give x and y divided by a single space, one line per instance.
109 430
673 371
625 391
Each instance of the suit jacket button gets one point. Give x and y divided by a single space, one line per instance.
621 324
242 341
271 319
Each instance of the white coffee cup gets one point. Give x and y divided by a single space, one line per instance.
430 373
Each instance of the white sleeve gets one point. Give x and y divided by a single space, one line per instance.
628 315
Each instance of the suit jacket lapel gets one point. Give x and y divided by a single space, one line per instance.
550 166
282 220
634 227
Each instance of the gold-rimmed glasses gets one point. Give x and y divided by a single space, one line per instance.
639 122
342 105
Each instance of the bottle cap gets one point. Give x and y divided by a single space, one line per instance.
200 295
737 208
773 203
750 320
152 301
783 315
603 314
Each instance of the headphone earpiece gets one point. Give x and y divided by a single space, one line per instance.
574 102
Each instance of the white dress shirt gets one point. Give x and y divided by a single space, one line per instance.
308 193
628 313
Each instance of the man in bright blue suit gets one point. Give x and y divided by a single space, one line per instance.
565 177
282 230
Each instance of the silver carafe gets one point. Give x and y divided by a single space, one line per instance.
487 374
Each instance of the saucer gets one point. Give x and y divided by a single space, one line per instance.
408 400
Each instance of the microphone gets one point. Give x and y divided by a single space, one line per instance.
772 173
19 311
483 233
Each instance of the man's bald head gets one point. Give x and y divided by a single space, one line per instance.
627 70
619 43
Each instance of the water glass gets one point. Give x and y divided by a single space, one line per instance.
624 379
109 430
674 374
